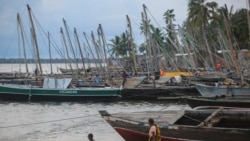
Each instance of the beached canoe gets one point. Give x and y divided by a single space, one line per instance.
207 124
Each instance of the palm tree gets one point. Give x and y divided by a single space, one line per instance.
119 45
142 48
199 13
240 28
169 17
115 44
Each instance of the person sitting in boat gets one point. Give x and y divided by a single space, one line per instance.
91 137
154 131
90 77
97 79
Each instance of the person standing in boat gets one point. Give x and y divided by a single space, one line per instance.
154 131
124 77
91 137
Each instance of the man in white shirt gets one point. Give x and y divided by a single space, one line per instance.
152 130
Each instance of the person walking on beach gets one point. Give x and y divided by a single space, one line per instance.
154 131
91 137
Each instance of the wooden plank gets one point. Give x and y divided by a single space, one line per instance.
208 119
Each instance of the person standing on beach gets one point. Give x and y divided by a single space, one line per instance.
91 137
154 131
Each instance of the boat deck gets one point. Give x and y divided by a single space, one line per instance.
163 117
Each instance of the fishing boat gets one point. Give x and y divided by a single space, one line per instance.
214 124
130 135
71 71
243 101
220 90
56 89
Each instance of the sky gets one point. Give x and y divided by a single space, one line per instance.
85 16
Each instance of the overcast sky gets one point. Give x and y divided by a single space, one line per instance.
85 15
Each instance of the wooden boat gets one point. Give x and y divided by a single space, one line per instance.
130 135
71 71
243 102
165 92
212 91
214 76
56 89
206 124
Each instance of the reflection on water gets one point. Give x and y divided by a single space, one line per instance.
64 121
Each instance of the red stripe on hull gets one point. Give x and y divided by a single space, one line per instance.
130 135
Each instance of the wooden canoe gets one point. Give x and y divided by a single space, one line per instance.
209 125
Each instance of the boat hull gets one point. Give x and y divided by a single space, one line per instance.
212 91
25 92
130 135
186 127
195 102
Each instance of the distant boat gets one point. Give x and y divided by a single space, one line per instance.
243 102
71 71
215 124
56 89
220 90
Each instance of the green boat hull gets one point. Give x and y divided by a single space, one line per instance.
28 92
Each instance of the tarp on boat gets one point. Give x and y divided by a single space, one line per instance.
56 83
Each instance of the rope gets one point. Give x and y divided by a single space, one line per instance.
43 122
193 119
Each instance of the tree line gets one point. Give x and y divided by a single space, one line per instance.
205 20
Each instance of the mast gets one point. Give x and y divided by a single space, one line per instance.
24 49
80 49
133 49
51 70
67 52
100 33
71 45
92 54
96 48
233 50
35 40
148 37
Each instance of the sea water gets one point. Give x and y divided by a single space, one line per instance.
67 121
64 121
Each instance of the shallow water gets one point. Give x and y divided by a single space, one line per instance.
64 121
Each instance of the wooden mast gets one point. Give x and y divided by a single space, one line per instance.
233 50
80 49
24 49
51 70
35 40
131 41
67 52
148 38
100 33
92 54
71 46
97 50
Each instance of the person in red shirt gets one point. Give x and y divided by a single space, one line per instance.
124 77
